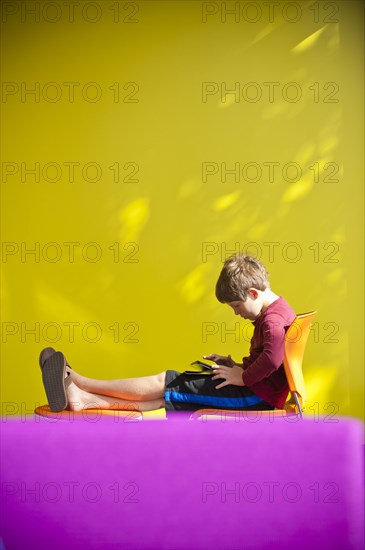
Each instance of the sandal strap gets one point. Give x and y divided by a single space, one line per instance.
46 354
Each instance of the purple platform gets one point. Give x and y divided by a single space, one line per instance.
177 484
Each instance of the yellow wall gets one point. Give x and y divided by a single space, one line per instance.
140 90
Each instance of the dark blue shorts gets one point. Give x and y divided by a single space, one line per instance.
190 392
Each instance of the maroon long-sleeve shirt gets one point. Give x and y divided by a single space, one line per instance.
263 369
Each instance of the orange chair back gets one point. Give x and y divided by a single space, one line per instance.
295 342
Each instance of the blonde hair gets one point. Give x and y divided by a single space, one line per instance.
240 273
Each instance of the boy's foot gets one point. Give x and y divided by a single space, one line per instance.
61 396
61 383
78 399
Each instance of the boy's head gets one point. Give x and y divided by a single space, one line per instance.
242 279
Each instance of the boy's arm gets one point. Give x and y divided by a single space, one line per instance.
272 355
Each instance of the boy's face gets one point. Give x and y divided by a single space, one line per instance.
250 308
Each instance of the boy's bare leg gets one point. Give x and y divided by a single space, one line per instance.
144 388
79 400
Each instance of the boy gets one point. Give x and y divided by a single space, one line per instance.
257 383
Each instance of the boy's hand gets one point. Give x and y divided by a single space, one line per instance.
220 359
231 375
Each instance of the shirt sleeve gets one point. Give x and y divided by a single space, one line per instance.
272 355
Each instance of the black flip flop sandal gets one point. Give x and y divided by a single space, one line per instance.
44 355
54 381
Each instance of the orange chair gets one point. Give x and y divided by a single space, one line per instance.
294 347
89 415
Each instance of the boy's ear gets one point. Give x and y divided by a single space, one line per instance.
253 292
